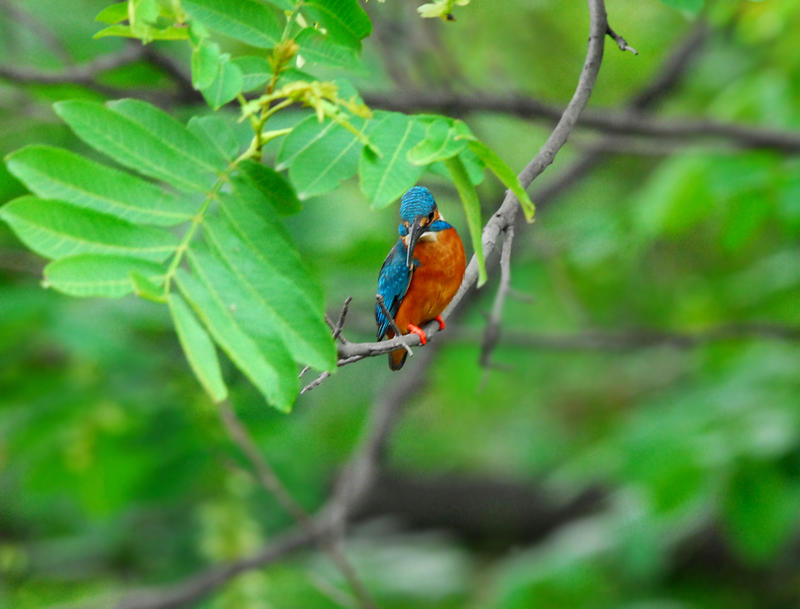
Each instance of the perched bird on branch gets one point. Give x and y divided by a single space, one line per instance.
421 274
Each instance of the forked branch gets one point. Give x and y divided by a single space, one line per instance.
360 475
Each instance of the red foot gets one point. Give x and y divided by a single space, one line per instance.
419 332
441 322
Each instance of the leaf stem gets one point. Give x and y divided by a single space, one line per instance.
198 218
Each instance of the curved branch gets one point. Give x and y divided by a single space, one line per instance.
621 123
628 340
84 74
205 582
362 471
507 212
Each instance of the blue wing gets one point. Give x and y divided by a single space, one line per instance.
393 282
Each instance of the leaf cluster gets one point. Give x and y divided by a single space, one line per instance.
194 219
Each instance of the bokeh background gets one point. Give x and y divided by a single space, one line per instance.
634 440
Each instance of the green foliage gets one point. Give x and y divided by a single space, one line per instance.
54 173
387 174
98 275
241 289
248 20
249 287
57 229
690 6
235 224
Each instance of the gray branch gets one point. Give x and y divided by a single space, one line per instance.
626 340
361 473
606 121
491 334
83 74
507 213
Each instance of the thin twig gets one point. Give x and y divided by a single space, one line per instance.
42 32
272 483
360 475
84 74
608 121
350 360
205 582
327 589
392 323
337 333
604 340
315 383
507 212
621 42
492 332
330 323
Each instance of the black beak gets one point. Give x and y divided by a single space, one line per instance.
414 234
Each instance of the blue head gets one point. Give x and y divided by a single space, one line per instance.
418 201
418 212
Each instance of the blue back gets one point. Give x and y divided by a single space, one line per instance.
395 276
393 283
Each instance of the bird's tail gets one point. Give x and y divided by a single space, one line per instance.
397 358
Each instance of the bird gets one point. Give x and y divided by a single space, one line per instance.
422 272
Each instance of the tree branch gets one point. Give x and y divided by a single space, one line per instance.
272 483
361 473
492 332
620 123
201 584
607 340
621 42
506 214
84 74
42 32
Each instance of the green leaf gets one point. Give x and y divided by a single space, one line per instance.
55 229
284 5
345 20
690 6
53 173
269 188
505 174
320 155
441 142
116 30
146 33
97 275
144 138
676 196
223 134
760 511
472 210
143 11
198 348
277 290
227 84
245 20
255 70
474 166
318 48
295 75
206 58
384 178
213 293
113 14
146 288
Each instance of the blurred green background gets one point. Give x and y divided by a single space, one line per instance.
661 475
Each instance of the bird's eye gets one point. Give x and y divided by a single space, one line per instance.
430 216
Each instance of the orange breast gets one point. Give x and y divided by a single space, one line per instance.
435 280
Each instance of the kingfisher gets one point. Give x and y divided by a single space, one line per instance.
422 272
